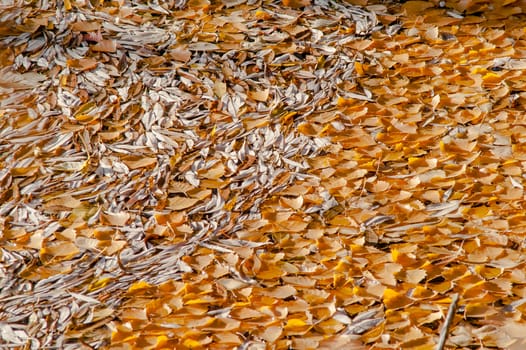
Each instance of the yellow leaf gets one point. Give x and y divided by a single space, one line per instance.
479 310
99 283
330 326
420 292
138 286
395 253
213 132
394 300
198 301
24 171
488 272
161 341
294 323
270 272
191 343
491 78
358 67
262 15
373 334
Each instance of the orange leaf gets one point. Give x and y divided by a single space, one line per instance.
296 3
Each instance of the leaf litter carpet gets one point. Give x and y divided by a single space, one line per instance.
262 175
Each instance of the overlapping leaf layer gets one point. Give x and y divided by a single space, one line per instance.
262 175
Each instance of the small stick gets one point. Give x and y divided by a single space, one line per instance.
449 319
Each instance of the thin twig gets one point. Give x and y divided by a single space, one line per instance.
449 319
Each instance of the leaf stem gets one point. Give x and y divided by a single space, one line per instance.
447 323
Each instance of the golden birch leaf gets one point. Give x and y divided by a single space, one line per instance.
24 171
272 333
141 162
116 219
296 325
305 343
259 95
300 281
423 343
192 344
414 276
219 88
134 314
395 300
281 292
413 8
114 246
180 187
330 326
222 324
137 286
214 173
479 310
246 313
292 226
180 203
60 249
373 334
293 203
35 241
63 202
227 338
231 284
270 272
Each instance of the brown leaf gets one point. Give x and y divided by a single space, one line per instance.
85 26
106 45
82 64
